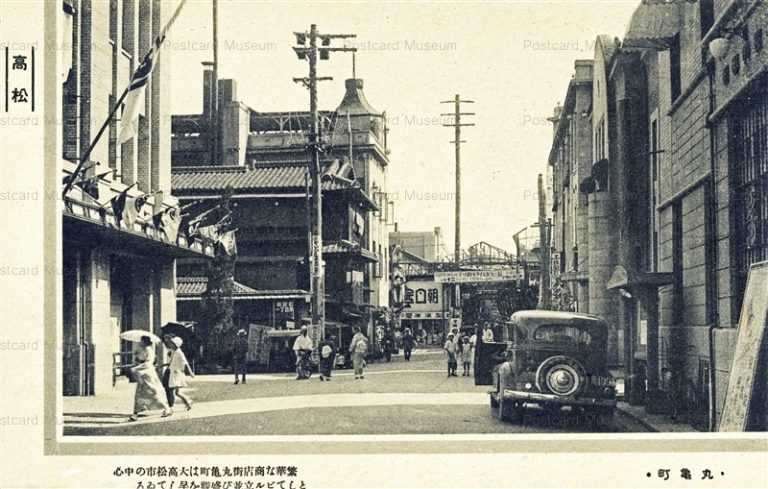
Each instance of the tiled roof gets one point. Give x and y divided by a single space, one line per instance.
260 177
341 247
195 287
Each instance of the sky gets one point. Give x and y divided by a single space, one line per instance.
514 59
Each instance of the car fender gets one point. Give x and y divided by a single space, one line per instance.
506 375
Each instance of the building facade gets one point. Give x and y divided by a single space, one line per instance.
426 244
570 160
677 199
118 264
263 160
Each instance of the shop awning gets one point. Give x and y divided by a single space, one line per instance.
348 248
630 280
425 315
283 333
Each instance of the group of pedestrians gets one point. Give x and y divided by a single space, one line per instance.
327 349
152 393
460 347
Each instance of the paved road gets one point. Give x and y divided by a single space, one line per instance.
394 398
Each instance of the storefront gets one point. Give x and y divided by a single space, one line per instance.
425 312
644 382
116 275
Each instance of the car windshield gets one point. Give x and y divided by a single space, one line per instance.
513 332
563 333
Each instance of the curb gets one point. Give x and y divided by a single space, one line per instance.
638 419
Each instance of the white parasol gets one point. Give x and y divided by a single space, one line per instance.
135 335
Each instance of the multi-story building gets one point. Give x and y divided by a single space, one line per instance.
264 161
425 244
570 160
677 200
735 195
118 273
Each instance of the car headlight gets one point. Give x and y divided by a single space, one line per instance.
528 386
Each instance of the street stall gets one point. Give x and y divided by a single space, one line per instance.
280 343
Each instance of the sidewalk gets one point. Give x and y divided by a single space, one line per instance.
113 409
661 423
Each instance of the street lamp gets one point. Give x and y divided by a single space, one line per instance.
720 46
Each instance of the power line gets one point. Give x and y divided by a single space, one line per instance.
457 125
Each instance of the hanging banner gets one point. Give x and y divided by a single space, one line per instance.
468 276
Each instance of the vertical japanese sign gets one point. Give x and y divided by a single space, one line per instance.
18 77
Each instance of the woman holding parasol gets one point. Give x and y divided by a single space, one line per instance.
150 394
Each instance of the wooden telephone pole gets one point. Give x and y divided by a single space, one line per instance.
312 53
544 225
457 125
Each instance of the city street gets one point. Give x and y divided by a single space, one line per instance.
394 398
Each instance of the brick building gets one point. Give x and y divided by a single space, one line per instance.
678 203
118 274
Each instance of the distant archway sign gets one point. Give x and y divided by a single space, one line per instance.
746 357
470 276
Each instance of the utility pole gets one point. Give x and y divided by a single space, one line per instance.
457 125
545 292
311 53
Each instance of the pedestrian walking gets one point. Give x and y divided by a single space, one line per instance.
327 357
358 348
451 348
240 355
302 347
472 346
179 369
408 341
150 395
466 355
487 334
167 371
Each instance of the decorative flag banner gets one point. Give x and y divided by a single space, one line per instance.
158 209
118 204
228 243
90 185
169 224
129 124
135 92
134 210
135 101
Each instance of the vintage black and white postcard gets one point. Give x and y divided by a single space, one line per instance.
293 245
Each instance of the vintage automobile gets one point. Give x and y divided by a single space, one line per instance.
555 360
